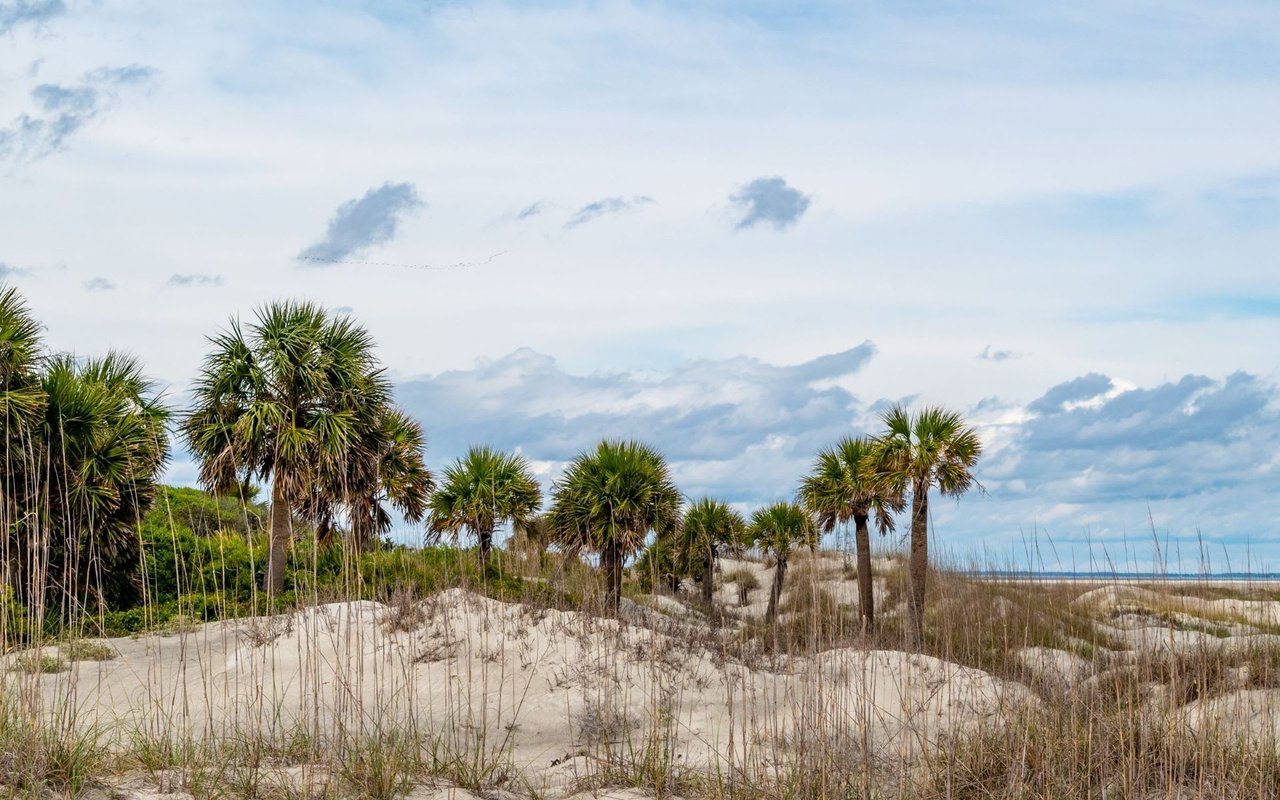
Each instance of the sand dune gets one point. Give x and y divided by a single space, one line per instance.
547 693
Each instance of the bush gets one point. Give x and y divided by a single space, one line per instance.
205 514
32 663
85 650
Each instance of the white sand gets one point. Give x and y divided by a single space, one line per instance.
549 696
543 692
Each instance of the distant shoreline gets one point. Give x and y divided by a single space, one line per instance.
1133 577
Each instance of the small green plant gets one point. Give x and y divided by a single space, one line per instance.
39 760
33 663
381 767
87 650
179 623
743 577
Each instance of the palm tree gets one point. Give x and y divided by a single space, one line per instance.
935 448
20 395
777 530
662 564
84 442
22 403
710 528
105 444
837 491
384 466
609 500
482 490
289 399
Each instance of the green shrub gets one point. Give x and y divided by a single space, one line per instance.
87 650
32 663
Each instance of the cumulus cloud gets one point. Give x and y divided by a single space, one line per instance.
62 110
35 12
606 205
365 222
99 284
1197 455
10 271
193 279
709 416
1076 390
769 200
1192 409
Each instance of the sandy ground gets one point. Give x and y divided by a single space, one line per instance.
546 697
545 693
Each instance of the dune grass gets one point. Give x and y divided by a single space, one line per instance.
1109 722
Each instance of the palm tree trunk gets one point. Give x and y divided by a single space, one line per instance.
775 594
611 561
708 579
744 594
485 540
918 566
866 597
281 532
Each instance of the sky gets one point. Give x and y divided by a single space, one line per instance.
735 230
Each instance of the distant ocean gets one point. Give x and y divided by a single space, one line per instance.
1052 575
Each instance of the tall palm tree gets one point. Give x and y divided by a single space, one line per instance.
837 491
710 528
105 440
84 442
482 490
935 448
777 530
609 500
288 398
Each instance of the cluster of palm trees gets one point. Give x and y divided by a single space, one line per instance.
854 481
83 443
617 497
864 477
297 399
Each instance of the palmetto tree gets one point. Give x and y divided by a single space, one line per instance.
935 448
22 403
384 467
710 529
778 530
291 397
104 431
662 564
609 500
20 397
838 491
84 442
481 491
